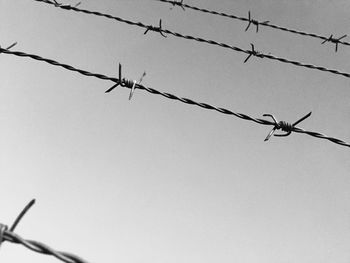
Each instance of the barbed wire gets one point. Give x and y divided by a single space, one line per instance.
249 52
282 125
7 234
251 21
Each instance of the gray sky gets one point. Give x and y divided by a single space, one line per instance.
154 180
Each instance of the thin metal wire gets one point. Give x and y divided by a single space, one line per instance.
20 216
257 23
4 228
284 126
198 39
171 96
41 248
8 235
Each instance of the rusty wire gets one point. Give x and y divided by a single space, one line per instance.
161 30
255 22
131 84
7 234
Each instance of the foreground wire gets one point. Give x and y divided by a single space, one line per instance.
8 235
198 39
257 23
173 97
42 248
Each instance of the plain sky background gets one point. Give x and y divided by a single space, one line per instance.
154 180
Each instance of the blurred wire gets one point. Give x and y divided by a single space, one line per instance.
8 235
257 23
42 248
198 39
131 84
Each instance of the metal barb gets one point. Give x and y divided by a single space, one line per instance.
255 22
4 228
57 4
249 21
8 48
334 40
20 216
120 80
252 52
134 86
284 126
11 46
156 29
180 3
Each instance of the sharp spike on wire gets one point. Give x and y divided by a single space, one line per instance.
180 3
255 22
302 119
155 29
334 40
20 216
134 86
249 21
285 126
252 52
11 46
120 80
57 4
36 246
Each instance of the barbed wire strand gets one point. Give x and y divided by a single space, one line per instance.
8 235
41 248
257 23
130 84
198 39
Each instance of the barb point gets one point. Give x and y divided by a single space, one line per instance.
20 216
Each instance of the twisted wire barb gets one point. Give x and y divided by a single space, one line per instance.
257 23
8 235
42 248
198 39
129 84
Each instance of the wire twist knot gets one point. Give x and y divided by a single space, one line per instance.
284 126
123 82
253 52
4 228
57 4
334 40
9 47
156 28
254 22
180 3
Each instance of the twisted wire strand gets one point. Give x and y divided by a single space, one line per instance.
298 32
171 96
199 39
42 248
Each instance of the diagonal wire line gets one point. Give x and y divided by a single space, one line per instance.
265 23
198 39
42 248
7 234
172 97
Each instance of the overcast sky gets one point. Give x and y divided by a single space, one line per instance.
153 180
